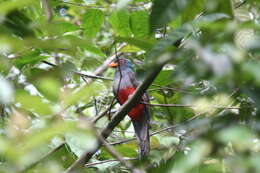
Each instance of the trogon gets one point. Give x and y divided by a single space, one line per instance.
124 85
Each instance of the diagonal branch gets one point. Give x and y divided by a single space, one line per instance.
123 110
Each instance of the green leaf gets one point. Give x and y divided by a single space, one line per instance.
43 136
5 65
94 50
126 150
92 22
85 44
140 24
28 59
193 8
219 6
130 48
141 43
33 103
120 22
163 77
251 71
18 23
235 134
8 6
85 93
57 28
49 87
184 163
167 43
80 142
68 42
163 11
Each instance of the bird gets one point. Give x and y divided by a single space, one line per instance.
124 85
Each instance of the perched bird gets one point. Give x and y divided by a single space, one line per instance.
124 85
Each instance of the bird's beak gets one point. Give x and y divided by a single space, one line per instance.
113 64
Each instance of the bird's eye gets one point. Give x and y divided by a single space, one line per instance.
122 61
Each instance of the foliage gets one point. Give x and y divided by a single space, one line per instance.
212 78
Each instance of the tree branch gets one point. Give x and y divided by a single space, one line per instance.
123 110
47 9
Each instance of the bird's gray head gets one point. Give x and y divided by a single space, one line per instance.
122 62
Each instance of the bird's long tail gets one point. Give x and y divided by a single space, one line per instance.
142 135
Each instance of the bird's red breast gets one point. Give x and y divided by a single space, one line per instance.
137 111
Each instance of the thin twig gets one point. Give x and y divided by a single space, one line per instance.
94 76
173 89
164 31
154 133
84 79
80 73
106 161
170 88
239 4
95 105
231 95
168 108
101 114
192 106
49 63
